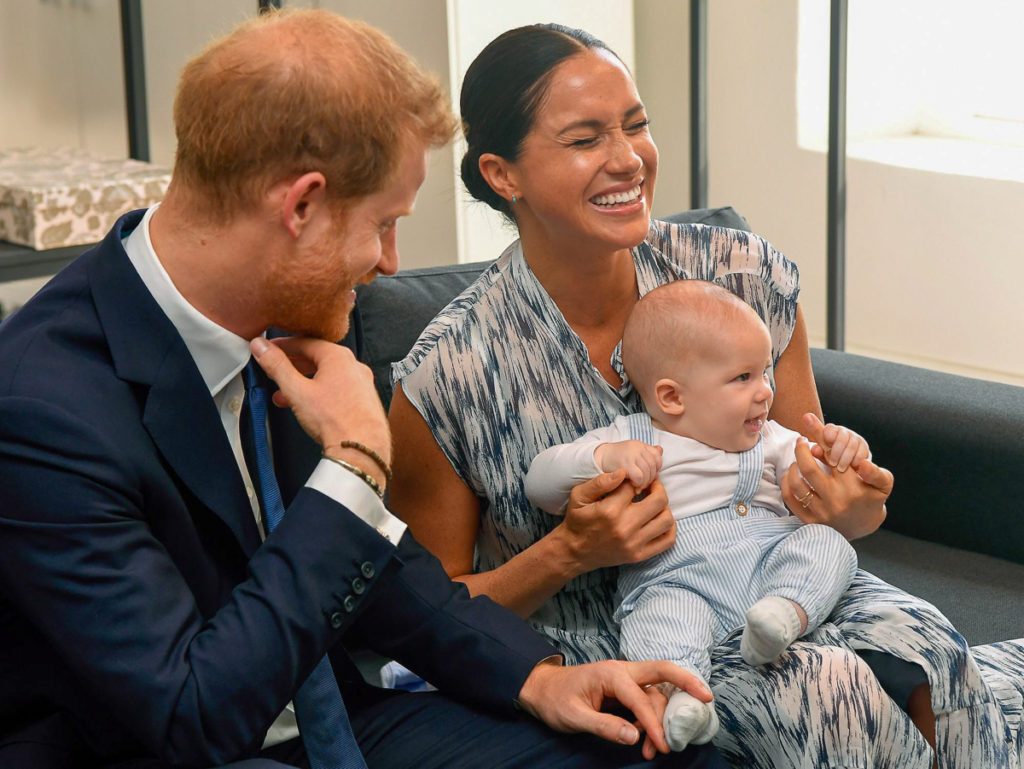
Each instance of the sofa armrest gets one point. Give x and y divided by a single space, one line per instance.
954 444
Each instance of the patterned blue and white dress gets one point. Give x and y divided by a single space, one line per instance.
499 376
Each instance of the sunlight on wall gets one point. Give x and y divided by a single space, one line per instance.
931 84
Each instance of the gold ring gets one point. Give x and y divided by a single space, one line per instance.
803 500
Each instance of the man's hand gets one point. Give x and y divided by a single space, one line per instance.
569 699
640 460
331 394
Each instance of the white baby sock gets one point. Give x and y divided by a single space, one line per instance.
772 624
689 721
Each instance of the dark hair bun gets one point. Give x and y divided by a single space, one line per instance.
501 92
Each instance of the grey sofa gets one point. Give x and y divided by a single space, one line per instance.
955 530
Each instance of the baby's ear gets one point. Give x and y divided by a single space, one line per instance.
669 397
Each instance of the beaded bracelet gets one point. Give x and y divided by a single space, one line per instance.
361 474
371 454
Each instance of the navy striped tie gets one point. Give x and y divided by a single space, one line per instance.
323 720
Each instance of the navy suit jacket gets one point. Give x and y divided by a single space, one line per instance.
139 613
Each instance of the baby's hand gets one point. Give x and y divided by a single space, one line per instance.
841 447
640 460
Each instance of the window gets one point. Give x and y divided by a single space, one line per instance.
936 84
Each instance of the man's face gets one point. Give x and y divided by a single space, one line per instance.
315 290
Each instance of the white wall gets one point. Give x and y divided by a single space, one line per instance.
932 268
662 29
933 272
59 83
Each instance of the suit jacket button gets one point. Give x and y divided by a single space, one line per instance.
358 586
336 620
367 569
349 603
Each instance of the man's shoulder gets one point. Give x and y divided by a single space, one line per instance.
47 333
59 348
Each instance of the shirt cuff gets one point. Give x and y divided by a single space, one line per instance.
349 490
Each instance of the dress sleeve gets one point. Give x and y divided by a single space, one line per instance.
745 263
434 383
759 274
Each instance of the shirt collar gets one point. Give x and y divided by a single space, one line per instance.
218 353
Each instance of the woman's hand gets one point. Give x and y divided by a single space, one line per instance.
603 526
853 503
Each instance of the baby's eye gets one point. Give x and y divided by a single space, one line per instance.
743 377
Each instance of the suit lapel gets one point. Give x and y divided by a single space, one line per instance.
178 412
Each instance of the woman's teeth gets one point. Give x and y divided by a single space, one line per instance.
617 198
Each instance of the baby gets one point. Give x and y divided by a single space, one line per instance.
701 360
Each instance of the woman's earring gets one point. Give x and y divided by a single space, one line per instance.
513 200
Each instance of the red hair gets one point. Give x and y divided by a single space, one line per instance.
296 91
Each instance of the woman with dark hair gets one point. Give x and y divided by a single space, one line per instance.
528 356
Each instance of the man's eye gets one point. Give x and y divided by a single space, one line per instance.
638 127
584 142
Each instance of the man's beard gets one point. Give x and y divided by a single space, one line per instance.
312 305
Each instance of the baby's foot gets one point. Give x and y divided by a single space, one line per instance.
688 721
773 623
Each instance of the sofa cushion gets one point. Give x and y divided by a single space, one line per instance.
980 595
955 445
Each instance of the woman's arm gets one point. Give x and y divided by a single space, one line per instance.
795 391
602 527
852 502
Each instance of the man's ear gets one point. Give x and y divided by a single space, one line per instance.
669 397
500 174
303 199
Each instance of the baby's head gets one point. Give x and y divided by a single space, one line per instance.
700 358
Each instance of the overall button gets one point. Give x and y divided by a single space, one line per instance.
741 508
358 586
336 620
349 603
368 569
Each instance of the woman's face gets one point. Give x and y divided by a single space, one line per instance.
586 172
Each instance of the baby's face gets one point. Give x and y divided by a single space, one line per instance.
727 394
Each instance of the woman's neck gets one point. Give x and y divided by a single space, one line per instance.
593 290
